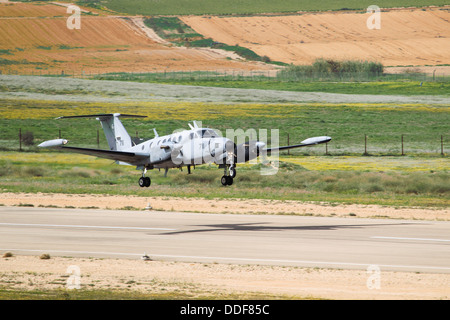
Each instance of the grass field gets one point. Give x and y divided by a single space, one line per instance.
181 7
410 181
343 176
384 85
384 124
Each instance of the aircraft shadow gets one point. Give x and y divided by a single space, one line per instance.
265 226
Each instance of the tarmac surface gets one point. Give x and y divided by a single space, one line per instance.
344 243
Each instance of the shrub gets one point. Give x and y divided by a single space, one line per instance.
333 69
28 138
44 256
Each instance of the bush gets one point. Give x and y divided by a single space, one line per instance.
333 69
28 138
44 256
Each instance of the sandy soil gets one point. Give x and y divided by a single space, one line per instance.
407 37
39 42
238 206
206 280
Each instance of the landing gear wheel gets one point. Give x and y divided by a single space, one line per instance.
232 172
144 182
224 180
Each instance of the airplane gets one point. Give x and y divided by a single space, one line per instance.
185 148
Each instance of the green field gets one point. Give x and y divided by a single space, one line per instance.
180 7
421 125
384 85
404 181
343 176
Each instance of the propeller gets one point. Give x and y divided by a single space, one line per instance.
248 150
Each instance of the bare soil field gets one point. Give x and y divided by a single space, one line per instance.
415 37
236 206
34 39
198 280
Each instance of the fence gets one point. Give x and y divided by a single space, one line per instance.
230 75
365 145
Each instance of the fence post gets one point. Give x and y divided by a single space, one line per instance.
288 143
442 145
402 147
20 139
365 144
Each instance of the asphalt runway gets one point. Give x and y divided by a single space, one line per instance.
346 243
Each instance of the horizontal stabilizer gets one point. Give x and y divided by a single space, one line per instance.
104 115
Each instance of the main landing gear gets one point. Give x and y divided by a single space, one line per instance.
227 179
144 181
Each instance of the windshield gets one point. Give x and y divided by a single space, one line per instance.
207 133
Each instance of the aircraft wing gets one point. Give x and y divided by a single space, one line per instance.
135 158
304 143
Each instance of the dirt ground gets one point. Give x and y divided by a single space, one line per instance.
406 36
237 206
197 280
35 37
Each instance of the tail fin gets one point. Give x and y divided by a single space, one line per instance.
116 134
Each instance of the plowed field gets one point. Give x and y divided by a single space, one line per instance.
407 36
34 38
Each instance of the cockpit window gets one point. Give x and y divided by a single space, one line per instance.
207 133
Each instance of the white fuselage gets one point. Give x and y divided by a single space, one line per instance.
189 147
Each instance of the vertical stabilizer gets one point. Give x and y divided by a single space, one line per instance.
116 134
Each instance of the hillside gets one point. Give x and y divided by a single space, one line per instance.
34 39
407 37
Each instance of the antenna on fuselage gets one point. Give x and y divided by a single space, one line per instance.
156 133
195 125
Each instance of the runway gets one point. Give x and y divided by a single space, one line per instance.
346 243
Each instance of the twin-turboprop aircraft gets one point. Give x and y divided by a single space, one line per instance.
185 148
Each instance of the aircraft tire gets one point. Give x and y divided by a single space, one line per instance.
232 172
229 180
141 182
147 182
224 180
